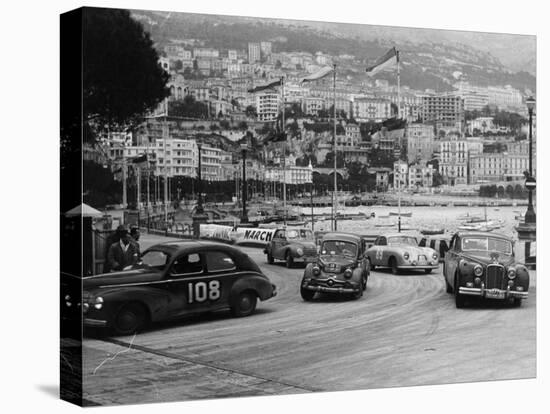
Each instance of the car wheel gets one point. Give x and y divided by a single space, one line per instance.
270 259
358 294
307 294
516 302
245 304
289 260
460 300
393 264
371 266
428 271
129 319
448 288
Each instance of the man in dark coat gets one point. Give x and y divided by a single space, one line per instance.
122 253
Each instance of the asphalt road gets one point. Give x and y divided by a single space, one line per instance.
404 331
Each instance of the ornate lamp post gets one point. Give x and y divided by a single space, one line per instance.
244 218
527 231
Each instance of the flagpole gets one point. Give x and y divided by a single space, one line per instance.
165 134
398 87
124 198
335 195
138 189
284 147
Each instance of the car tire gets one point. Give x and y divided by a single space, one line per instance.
516 303
270 259
460 300
129 319
244 304
371 266
393 264
357 295
307 294
289 260
448 288
428 271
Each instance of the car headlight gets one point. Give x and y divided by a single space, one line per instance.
406 256
300 251
316 270
478 270
98 302
347 273
511 273
434 256
68 301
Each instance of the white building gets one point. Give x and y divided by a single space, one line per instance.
254 52
453 162
420 142
371 109
420 176
267 106
400 174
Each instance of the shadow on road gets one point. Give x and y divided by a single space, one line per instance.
95 333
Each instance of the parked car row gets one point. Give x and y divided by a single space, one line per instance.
174 279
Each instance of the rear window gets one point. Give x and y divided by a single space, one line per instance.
219 261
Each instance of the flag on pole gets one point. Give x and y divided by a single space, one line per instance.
321 73
269 85
140 160
383 62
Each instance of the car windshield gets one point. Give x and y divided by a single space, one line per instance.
153 259
402 240
299 234
487 244
337 247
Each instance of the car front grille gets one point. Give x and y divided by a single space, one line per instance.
495 276
310 251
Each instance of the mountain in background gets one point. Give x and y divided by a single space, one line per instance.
432 59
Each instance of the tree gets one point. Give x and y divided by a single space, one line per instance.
122 79
178 65
250 111
188 108
329 160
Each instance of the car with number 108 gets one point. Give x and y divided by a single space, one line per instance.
171 280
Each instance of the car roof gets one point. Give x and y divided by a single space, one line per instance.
398 235
482 234
342 236
180 246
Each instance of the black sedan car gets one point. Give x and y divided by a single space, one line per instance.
172 280
483 264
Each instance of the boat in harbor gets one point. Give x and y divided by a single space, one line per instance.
403 213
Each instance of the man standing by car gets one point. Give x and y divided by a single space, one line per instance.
134 238
122 253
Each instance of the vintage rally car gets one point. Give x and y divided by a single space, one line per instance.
483 264
292 245
400 251
174 279
340 268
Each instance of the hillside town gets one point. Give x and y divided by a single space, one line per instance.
467 138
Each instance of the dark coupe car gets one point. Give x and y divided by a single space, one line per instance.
292 245
341 268
482 264
175 279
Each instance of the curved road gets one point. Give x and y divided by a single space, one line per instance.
404 331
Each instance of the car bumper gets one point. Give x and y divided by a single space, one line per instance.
331 289
94 322
418 267
305 259
493 293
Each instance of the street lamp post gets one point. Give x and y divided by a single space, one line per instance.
527 231
244 218
530 216
199 208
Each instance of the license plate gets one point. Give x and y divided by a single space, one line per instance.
494 294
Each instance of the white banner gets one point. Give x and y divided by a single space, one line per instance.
216 232
253 235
